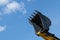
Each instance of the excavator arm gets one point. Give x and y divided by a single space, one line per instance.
41 24
47 36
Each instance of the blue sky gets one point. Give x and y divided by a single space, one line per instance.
14 14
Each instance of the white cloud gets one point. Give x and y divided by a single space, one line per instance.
22 8
2 28
14 7
3 2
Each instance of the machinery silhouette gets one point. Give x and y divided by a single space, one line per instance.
41 24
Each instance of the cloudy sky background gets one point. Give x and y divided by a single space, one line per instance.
14 16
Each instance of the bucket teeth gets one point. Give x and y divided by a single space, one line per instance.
32 17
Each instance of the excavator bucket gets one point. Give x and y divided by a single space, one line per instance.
40 22
41 25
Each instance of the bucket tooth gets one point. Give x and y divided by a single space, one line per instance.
32 15
29 19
